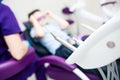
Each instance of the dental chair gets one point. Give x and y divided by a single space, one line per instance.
11 67
57 68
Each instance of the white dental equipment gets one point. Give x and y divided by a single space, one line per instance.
100 49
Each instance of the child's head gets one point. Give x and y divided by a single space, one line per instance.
38 16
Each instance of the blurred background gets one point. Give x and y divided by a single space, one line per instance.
22 7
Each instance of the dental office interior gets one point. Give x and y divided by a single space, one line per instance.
96 19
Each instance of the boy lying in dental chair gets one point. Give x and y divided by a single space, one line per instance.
42 29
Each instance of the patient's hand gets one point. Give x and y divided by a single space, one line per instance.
48 13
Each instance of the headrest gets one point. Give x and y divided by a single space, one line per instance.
28 25
0 0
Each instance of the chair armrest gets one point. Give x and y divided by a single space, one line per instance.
57 61
60 62
12 66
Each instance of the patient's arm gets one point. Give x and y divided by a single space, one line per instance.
37 27
58 19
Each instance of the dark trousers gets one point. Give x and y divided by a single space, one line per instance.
64 52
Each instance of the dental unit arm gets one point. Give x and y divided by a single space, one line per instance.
101 48
79 7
